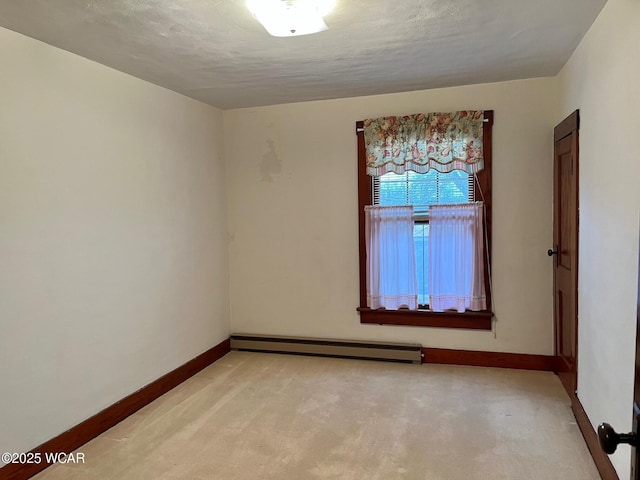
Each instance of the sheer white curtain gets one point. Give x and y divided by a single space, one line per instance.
391 264
456 274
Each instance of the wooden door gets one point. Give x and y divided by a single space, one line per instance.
565 251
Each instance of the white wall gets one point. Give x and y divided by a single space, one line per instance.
293 220
601 79
113 247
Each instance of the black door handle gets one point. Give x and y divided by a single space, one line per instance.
552 252
609 439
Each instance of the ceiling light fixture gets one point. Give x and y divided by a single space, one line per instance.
288 18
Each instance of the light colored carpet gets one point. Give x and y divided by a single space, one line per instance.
265 416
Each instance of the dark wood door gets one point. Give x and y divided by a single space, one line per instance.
565 251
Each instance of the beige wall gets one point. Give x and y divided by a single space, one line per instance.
113 253
291 179
601 79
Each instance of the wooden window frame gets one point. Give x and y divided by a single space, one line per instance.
426 318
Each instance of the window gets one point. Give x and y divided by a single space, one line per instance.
422 190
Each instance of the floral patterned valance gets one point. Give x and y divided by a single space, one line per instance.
442 141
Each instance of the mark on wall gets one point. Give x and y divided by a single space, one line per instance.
271 163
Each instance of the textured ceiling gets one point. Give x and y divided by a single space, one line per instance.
216 52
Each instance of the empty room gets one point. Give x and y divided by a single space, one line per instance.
319 239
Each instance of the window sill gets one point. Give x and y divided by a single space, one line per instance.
426 318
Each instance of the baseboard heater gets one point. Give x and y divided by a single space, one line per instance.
396 352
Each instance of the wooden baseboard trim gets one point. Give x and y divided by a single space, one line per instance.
110 416
601 459
489 359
